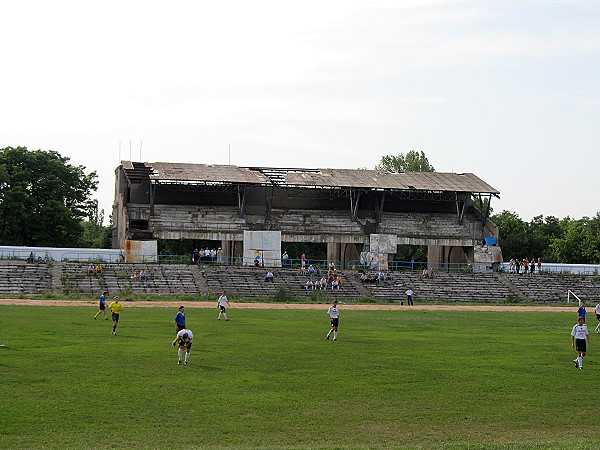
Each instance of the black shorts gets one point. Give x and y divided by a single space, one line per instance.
222 308
187 345
580 345
115 317
102 306
334 322
598 317
180 327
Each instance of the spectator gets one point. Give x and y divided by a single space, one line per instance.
196 256
257 261
323 282
31 258
213 255
143 276
303 260
317 284
309 285
270 277
219 256
335 284
91 270
284 259
99 270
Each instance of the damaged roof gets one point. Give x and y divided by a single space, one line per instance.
324 178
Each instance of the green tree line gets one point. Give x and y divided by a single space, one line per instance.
567 241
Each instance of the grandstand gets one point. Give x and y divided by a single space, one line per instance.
19 278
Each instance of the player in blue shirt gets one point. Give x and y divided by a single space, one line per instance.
581 312
179 322
102 306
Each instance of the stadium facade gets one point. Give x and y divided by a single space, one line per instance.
357 213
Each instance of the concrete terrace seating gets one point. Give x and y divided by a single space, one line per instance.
249 281
20 277
162 279
449 287
552 287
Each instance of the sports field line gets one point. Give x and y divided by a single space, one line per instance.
234 305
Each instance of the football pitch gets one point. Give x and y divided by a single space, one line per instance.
270 379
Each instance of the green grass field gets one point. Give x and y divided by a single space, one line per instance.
268 378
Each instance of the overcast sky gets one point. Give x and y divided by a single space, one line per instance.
508 90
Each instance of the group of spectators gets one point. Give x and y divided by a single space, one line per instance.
32 259
140 275
207 255
525 266
375 277
333 280
95 269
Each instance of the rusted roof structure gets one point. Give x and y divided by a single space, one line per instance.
184 173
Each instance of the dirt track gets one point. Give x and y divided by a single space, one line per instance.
290 305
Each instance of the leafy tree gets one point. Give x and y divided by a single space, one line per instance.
513 236
580 243
43 199
413 161
95 234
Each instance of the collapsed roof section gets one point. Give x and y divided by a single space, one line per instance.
208 174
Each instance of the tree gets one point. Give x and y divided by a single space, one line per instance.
43 199
513 236
412 162
95 234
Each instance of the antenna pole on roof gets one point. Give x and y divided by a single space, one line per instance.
119 152
129 150
140 151
229 154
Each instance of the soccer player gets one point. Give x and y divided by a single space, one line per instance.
184 341
581 312
578 338
116 309
179 322
221 305
334 318
597 311
409 293
102 306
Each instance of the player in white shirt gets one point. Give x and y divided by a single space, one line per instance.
334 315
597 311
221 305
579 335
184 341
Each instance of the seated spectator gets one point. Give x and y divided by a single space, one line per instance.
270 277
99 269
31 258
309 285
317 284
136 275
381 276
330 278
324 282
335 284
91 270
311 270
257 261
143 276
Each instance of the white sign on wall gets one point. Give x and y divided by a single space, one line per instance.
263 246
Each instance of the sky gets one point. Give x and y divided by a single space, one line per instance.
508 90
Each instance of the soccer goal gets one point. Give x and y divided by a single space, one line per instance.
571 293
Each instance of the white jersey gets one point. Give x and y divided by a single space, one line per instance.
190 335
409 292
597 309
222 300
580 331
333 312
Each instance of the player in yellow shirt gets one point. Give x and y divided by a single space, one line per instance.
116 309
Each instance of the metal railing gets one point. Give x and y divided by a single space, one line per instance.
414 266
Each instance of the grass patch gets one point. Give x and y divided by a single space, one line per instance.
268 378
